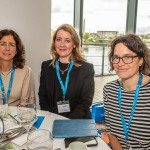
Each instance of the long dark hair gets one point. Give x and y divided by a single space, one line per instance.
19 58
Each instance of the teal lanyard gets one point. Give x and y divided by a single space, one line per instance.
126 128
4 94
64 87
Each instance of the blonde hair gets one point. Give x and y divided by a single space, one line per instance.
76 52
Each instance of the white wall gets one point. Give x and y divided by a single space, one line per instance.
31 20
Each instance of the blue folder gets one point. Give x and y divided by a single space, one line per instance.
74 128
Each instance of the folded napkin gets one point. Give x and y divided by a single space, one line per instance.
20 140
39 121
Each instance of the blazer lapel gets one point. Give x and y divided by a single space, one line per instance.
72 75
51 79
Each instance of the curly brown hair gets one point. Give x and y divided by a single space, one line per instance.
136 45
19 58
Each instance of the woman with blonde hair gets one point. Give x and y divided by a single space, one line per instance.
67 80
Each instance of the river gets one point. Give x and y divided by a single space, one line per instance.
94 55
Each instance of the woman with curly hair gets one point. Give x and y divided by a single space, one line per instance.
127 99
16 79
67 80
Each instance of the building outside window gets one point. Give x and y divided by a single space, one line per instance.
102 21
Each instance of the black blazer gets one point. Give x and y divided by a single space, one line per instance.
80 89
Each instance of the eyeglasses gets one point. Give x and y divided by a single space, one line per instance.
125 59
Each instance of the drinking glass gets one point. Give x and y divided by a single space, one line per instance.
40 139
3 105
1 127
26 114
3 109
10 146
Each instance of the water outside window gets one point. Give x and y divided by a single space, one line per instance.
102 21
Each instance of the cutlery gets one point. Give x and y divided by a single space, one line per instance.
13 133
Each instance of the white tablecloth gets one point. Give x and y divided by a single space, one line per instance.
59 142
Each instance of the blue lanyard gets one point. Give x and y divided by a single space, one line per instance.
63 87
126 128
4 94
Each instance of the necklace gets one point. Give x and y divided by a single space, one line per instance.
5 73
63 71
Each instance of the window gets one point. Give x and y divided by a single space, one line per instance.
62 12
105 15
143 17
103 20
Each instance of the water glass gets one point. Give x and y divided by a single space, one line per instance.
1 127
40 139
10 146
26 115
3 105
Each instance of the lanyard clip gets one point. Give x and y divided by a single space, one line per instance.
63 98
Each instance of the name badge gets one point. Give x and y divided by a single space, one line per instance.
63 106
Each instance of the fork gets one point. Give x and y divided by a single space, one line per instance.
11 134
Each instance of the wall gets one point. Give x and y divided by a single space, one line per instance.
31 20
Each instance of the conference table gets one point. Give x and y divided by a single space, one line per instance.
59 142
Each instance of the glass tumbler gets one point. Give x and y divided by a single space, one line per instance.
3 105
40 139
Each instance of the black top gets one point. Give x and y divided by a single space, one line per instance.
80 90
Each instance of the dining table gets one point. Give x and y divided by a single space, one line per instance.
47 123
